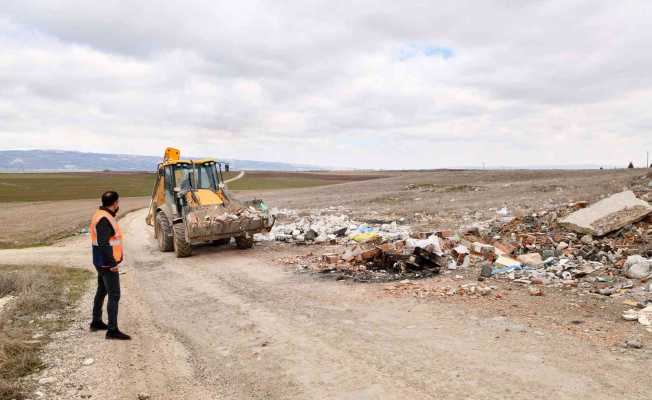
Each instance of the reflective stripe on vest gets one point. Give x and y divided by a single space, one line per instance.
115 241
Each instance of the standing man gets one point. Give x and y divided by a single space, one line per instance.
107 255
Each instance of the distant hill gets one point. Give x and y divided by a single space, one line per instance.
56 160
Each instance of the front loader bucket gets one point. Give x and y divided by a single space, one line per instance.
214 222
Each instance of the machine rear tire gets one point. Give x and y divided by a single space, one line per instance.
163 233
244 242
181 247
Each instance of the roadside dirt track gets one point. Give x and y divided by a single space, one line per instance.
229 324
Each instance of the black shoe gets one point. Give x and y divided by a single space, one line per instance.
98 326
117 335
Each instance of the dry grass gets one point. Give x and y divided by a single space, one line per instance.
37 291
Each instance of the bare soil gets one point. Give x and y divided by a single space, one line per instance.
230 323
43 222
451 199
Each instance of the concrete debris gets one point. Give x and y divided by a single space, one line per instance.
608 215
637 267
324 228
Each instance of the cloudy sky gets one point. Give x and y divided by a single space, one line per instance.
374 84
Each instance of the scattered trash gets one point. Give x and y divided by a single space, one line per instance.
505 264
600 249
322 228
365 237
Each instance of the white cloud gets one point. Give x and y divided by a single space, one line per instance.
364 84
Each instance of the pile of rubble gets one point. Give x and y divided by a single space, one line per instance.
338 228
604 248
381 257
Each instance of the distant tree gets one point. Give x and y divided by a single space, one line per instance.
631 165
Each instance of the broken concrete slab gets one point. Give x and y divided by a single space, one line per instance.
608 215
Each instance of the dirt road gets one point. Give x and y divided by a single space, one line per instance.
229 324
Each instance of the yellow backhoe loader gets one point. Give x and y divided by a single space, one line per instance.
191 205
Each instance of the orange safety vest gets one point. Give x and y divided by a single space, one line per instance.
116 241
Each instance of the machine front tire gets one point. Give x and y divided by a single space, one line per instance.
244 242
163 233
181 247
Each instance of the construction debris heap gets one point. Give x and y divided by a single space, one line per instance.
603 248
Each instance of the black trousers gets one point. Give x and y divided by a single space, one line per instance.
108 283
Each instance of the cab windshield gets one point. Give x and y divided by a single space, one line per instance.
205 176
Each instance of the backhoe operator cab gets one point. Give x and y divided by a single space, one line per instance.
191 205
